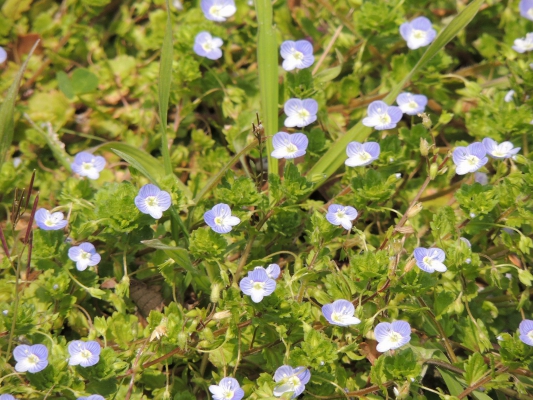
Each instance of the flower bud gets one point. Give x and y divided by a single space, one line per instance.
221 315
433 170
424 147
520 159
415 209
215 292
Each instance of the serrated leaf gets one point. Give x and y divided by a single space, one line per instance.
475 368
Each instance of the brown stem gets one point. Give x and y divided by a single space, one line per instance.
479 383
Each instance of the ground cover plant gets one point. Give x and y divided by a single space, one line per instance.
218 199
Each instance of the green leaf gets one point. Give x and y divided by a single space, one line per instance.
475 368
267 61
7 109
83 81
334 158
13 9
165 80
454 387
328 74
65 85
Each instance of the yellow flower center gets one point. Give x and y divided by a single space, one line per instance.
298 55
472 160
151 201
87 166
215 10
291 148
417 34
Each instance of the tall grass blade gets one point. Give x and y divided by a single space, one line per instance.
267 60
335 156
7 109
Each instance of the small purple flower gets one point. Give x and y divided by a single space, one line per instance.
470 158
3 57
6 396
340 312
84 256
227 389
499 151
361 154
522 45
208 46
290 379
82 353
218 10
341 215
300 113
289 146
50 221
430 260
526 331
152 200
297 54
86 164
31 358
219 218
481 178
392 336
526 9
273 271
418 32
381 116
257 284
412 104
91 397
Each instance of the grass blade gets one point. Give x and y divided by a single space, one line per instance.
7 109
335 156
267 60
165 80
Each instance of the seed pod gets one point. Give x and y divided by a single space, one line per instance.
433 170
215 292
424 147
414 210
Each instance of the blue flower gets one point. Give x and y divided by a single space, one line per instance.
412 104
227 389
340 312
273 271
82 353
152 200
297 54
526 331
3 55
341 215
31 358
381 116
6 396
91 397
522 45
300 113
499 151
418 32
509 96
392 336
361 154
430 260
218 10
481 178
289 146
84 256
207 46
86 164
50 221
526 9
219 218
290 379
470 158
257 284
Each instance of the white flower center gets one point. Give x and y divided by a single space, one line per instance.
207 46
363 156
413 105
215 10
340 214
395 337
87 166
530 333
298 55
530 12
227 394
33 359
303 113
86 354
49 222
291 148
428 260
472 160
151 201
417 34
294 381
384 119
219 221
337 317
84 255
258 285
499 153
